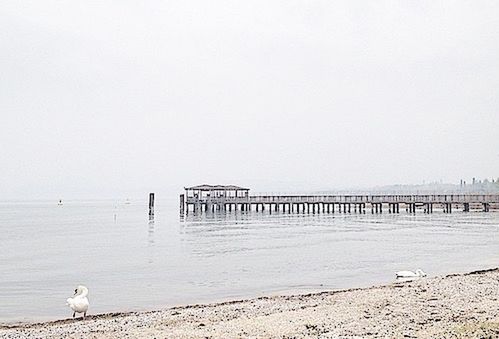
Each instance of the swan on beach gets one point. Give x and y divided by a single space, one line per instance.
410 274
79 302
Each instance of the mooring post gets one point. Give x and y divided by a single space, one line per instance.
151 203
182 203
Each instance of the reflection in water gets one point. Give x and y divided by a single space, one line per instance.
221 216
150 239
150 230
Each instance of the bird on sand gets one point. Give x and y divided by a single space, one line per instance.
79 302
410 274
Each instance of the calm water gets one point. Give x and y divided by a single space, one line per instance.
131 263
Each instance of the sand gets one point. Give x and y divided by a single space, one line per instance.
454 306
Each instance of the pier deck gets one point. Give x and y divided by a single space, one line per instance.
207 198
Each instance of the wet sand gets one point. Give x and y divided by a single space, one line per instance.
454 306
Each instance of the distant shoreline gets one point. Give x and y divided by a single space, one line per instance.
453 305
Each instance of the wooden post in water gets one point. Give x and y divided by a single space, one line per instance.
151 204
182 203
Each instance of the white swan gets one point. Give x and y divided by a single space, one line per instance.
79 302
410 274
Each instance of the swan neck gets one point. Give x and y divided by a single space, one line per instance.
83 293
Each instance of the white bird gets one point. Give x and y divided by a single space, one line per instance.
79 302
410 274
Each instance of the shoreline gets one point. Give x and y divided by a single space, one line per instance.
454 305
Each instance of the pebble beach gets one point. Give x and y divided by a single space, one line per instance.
453 306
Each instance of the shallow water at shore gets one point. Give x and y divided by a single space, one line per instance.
131 263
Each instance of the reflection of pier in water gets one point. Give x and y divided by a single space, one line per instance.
209 198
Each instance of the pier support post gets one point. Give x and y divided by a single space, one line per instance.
182 204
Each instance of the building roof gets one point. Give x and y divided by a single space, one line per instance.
217 188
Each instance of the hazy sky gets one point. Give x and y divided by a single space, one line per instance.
116 97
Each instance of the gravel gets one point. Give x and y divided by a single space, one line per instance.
454 306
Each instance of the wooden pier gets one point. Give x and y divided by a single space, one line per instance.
207 198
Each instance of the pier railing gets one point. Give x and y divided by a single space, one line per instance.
433 198
389 198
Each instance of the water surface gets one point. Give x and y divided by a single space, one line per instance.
132 263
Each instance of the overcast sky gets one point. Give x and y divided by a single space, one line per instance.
111 97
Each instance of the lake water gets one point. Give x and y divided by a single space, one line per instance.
131 263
